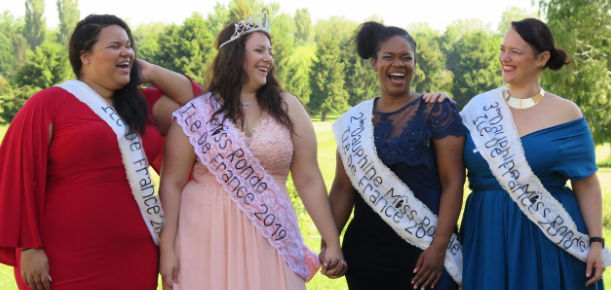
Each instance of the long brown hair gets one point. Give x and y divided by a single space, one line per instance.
128 101
228 77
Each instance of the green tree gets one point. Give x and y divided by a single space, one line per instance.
242 9
472 57
328 69
431 74
513 14
297 69
46 66
11 101
12 45
303 26
217 19
69 15
5 93
283 44
360 81
146 40
327 80
186 48
35 22
583 29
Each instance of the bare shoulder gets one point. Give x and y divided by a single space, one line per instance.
292 103
564 109
290 99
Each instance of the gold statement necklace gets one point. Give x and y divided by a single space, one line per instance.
517 103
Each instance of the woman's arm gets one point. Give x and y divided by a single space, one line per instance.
177 90
162 114
449 155
174 85
341 198
34 261
310 185
178 162
589 198
341 195
23 185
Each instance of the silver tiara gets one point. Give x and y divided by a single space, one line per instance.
260 22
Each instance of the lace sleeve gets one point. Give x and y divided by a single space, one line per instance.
444 120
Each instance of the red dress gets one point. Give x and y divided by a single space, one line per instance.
71 197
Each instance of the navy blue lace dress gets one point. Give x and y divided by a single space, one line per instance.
377 257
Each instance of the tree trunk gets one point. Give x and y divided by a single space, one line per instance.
323 116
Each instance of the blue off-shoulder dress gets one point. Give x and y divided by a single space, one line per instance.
377 257
503 249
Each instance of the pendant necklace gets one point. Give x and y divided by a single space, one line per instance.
517 103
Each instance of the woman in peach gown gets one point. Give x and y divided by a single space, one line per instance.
218 236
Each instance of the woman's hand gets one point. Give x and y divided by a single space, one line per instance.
429 266
594 264
589 197
35 269
168 267
332 260
437 97
144 69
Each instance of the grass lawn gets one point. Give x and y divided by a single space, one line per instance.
326 157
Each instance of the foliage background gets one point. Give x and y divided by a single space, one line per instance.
317 62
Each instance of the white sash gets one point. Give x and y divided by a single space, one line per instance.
132 153
495 136
383 191
220 148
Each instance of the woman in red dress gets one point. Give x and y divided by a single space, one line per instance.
68 218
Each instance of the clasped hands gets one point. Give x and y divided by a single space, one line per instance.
332 260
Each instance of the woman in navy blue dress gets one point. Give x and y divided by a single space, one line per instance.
503 249
421 144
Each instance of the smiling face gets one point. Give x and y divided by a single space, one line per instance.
395 63
258 61
107 66
521 64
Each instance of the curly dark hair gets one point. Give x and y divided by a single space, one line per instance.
228 77
128 100
372 34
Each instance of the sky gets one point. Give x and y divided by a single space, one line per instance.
437 13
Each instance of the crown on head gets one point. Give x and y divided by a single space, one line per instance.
260 22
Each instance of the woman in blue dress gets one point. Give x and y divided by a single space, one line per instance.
421 144
503 248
